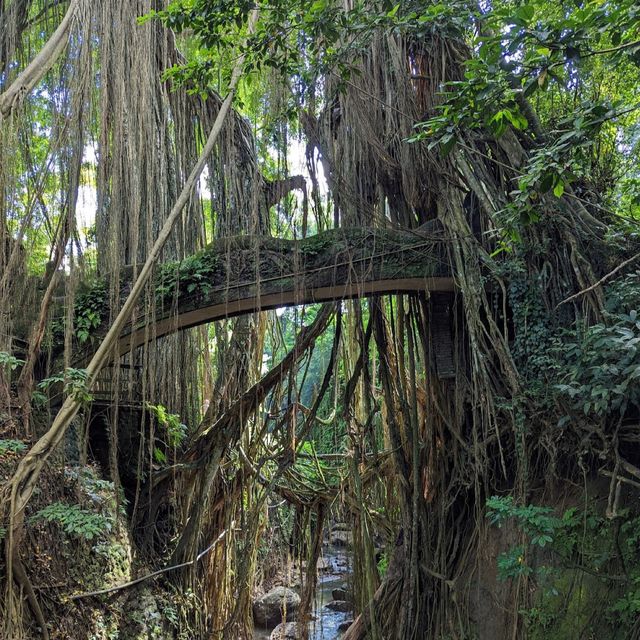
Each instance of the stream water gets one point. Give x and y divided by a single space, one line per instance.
326 623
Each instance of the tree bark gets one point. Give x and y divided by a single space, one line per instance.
38 67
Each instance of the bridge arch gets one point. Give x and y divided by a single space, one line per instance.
245 274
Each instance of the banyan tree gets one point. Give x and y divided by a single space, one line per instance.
444 197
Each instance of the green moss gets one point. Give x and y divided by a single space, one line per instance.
317 244
284 283
584 565
572 609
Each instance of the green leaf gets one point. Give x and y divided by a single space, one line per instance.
525 13
317 6
558 190
11 446
530 87
447 143
392 13
546 183
8 361
516 119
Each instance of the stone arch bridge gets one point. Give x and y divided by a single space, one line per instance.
245 274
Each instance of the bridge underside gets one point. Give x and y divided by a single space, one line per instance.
246 274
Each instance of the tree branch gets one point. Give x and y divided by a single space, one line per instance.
602 280
38 67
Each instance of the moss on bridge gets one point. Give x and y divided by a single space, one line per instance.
251 266
244 274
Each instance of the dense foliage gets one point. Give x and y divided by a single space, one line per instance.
499 420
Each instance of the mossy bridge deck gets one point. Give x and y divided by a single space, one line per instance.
246 274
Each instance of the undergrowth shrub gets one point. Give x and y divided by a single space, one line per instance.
74 520
585 568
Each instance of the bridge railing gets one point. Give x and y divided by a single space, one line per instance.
121 381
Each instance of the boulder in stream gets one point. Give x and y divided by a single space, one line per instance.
339 605
324 566
340 593
269 609
343 626
285 631
341 538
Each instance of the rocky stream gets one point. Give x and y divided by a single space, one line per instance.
332 608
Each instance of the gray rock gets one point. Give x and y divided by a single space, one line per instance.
324 566
343 626
269 609
340 594
339 605
285 631
341 538
143 618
